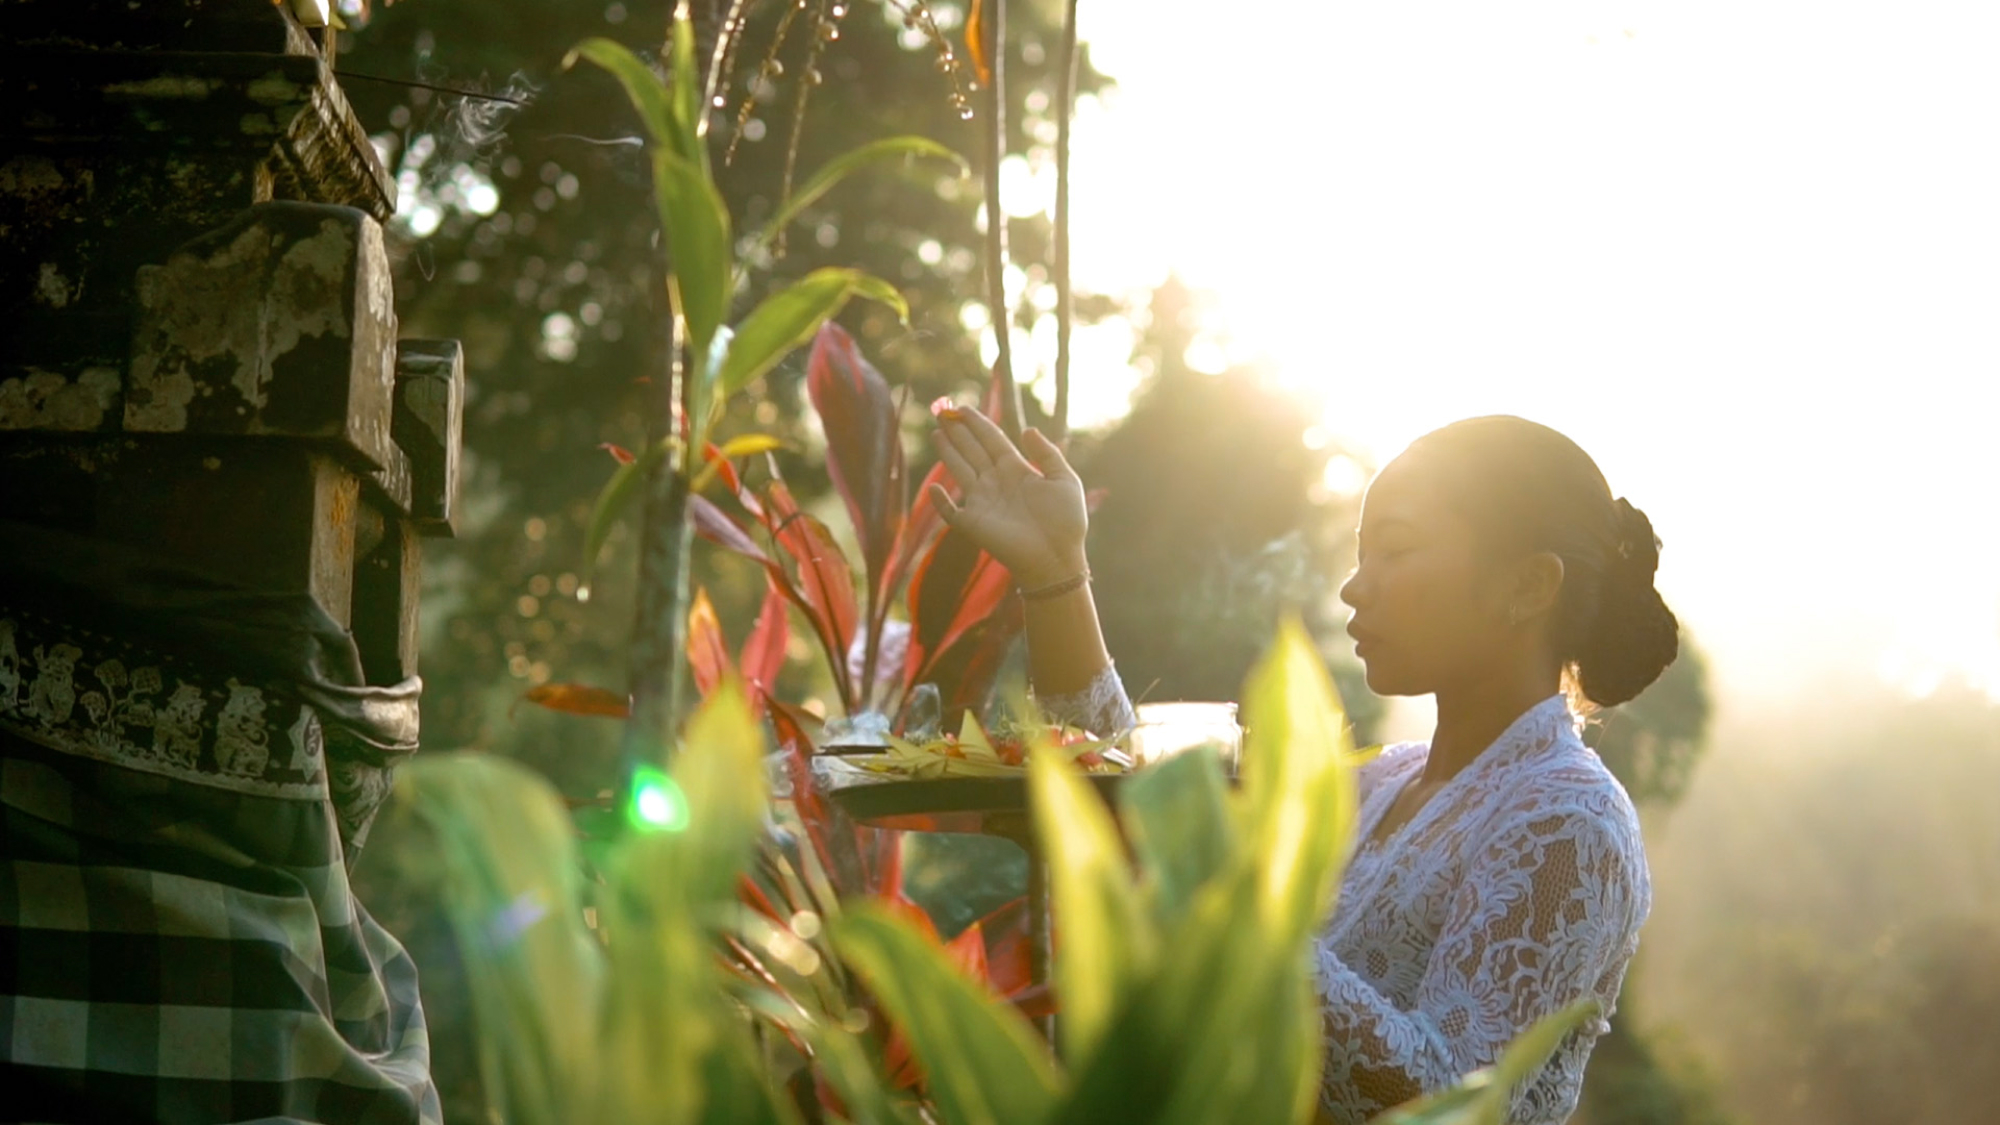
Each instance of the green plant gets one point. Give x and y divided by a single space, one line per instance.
708 360
1184 994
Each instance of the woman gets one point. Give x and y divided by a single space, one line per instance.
1499 874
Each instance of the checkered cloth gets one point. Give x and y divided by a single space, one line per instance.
178 940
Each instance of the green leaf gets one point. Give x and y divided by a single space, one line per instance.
612 500
844 165
1108 942
985 1065
1298 783
1177 816
648 94
688 114
787 319
698 248
498 849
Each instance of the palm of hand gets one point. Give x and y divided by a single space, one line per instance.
1027 521
1029 516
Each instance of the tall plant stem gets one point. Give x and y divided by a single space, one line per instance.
996 218
659 627
1065 302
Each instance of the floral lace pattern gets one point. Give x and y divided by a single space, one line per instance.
1516 890
1102 707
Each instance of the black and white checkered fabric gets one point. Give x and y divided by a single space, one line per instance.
178 940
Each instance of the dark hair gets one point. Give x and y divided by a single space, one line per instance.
1528 488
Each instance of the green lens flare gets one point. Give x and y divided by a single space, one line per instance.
657 803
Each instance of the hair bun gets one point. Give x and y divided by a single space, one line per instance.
1638 548
1635 635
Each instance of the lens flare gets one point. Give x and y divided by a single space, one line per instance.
657 803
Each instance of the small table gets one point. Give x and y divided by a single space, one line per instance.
987 806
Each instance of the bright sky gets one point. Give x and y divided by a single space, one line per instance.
1746 252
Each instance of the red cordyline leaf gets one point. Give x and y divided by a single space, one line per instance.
764 650
969 666
856 859
955 588
708 652
864 445
748 890
721 529
920 529
618 452
726 469
580 699
825 582
1008 968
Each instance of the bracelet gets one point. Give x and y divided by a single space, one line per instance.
1055 589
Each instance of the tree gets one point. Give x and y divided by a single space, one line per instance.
1215 521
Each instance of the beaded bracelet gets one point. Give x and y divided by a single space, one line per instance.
1055 589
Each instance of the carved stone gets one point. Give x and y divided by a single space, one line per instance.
281 323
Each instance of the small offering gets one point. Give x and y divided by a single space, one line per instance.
973 752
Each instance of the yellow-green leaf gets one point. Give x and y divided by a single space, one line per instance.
648 94
698 249
613 498
1298 785
788 318
985 1064
844 165
1108 942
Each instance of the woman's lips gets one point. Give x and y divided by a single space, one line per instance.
1362 638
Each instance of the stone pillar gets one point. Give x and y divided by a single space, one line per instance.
198 343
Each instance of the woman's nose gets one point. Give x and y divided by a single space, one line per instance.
1351 591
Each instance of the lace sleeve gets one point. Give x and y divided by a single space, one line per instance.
1101 708
1547 913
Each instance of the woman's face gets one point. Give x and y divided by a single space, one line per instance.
1427 612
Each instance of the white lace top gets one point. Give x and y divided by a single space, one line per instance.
1518 888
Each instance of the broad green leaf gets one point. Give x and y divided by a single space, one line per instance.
648 94
788 318
1483 1097
720 767
1177 816
702 396
1298 782
840 1056
665 892
688 114
844 165
501 856
698 249
985 1065
625 484
1108 942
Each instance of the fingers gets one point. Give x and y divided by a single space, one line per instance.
941 500
972 455
955 461
1045 456
999 450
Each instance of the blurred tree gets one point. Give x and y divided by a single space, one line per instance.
523 229
1653 743
1216 520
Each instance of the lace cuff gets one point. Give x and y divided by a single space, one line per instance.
1102 707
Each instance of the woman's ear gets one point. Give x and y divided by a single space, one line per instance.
1538 586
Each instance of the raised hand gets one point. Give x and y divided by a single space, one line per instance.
1027 511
